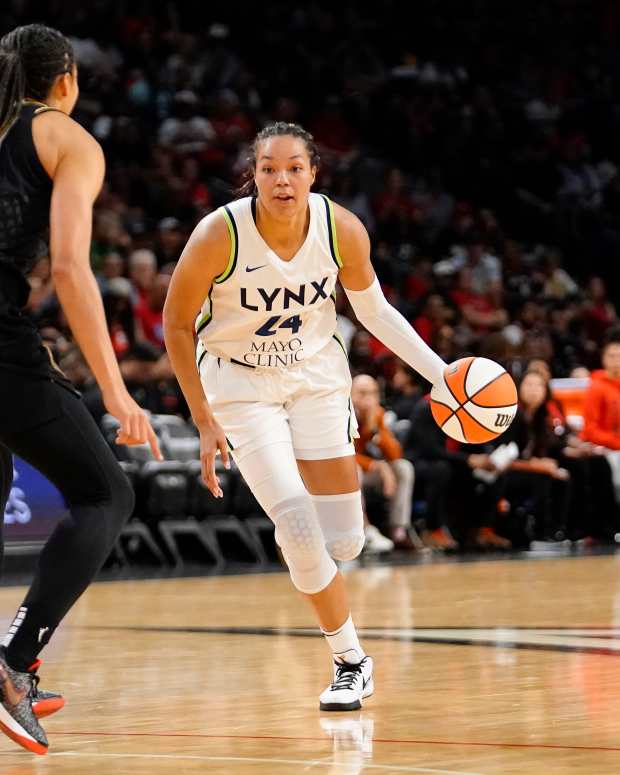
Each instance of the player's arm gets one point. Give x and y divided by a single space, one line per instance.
75 163
372 309
204 258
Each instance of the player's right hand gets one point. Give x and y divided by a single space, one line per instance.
212 439
135 426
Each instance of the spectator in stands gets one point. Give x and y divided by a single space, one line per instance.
142 271
481 311
486 269
170 238
601 413
112 265
394 207
598 312
592 511
119 314
379 456
186 131
558 284
538 475
602 402
149 313
446 480
435 314
349 194
404 390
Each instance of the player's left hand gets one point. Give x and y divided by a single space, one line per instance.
212 440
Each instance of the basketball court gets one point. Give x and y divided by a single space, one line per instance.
489 668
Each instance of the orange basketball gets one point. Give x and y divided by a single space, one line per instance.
475 400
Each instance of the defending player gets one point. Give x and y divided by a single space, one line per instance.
51 170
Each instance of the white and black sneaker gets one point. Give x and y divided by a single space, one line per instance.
352 683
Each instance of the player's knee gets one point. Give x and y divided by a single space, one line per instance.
341 518
123 498
347 547
299 536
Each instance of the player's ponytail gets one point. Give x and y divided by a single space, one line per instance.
277 129
31 58
12 88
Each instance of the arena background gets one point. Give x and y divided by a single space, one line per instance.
453 130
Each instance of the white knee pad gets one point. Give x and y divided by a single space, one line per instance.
342 521
299 536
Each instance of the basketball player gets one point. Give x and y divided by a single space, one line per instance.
275 377
50 173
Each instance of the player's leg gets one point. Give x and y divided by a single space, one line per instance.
333 485
249 407
6 480
70 451
271 473
322 426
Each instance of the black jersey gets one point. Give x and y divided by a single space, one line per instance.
25 194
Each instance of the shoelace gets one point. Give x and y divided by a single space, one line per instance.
346 675
34 688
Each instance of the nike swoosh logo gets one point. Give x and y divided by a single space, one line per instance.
254 268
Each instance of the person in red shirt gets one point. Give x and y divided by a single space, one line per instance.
601 411
482 312
601 408
148 313
379 455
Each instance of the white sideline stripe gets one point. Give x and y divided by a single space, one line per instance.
307 762
10 722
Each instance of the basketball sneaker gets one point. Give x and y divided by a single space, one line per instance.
44 703
352 683
17 718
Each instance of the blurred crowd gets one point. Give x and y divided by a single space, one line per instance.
482 159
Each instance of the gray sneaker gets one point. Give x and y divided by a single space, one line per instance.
17 718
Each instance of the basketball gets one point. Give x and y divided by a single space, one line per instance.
475 401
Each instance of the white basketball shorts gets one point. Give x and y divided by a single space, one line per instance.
308 405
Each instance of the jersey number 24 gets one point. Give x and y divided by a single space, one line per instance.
269 327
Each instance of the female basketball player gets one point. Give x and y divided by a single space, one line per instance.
275 378
50 173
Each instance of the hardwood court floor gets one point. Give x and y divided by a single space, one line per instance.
491 668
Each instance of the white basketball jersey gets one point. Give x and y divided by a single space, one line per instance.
266 312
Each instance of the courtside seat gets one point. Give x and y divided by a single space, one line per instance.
217 516
179 439
247 508
139 453
136 539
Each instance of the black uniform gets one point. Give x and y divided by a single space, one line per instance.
42 418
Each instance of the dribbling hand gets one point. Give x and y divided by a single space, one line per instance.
212 439
135 426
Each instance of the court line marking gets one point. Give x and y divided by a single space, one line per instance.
199 735
497 637
308 762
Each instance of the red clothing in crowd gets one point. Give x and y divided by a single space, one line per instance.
151 322
380 435
601 411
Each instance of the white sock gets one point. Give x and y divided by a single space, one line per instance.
344 643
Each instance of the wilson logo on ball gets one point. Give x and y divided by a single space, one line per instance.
474 401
